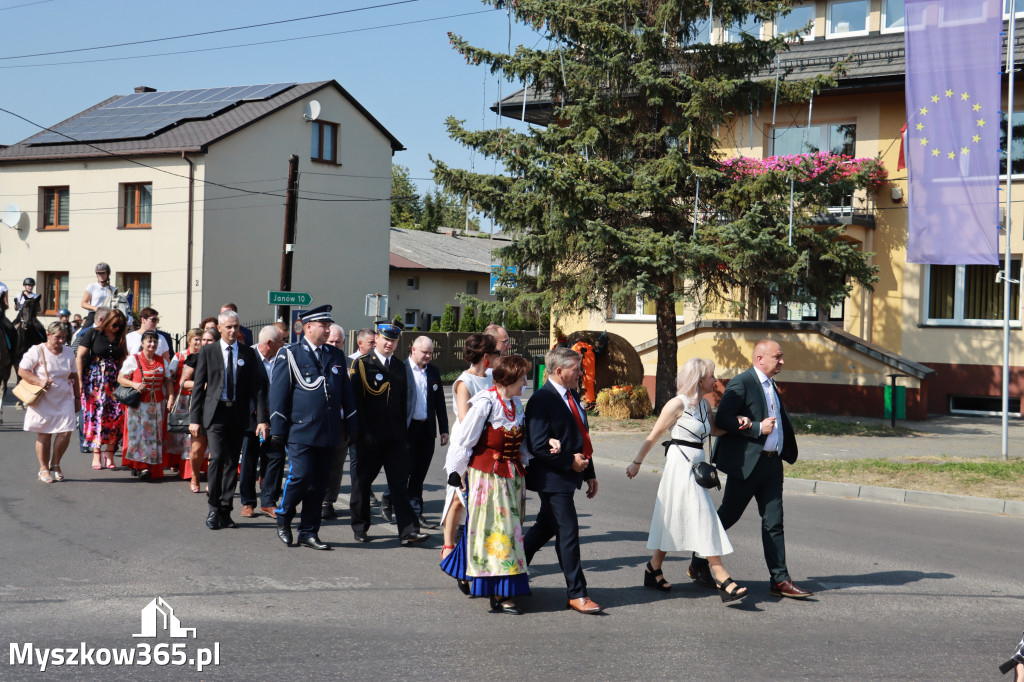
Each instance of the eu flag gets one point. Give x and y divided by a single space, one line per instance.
952 144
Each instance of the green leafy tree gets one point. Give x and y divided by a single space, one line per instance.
600 200
406 207
448 319
435 326
468 321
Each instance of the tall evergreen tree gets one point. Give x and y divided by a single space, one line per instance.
600 200
406 207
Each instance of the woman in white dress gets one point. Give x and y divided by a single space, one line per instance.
684 517
52 417
479 351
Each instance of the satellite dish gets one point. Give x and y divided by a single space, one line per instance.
312 110
11 216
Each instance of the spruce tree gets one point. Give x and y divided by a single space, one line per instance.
447 319
600 200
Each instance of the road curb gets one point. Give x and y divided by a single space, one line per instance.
916 498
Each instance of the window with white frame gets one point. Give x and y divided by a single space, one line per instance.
628 307
412 317
1017 150
807 312
1006 8
847 18
750 25
969 295
412 283
796 20
838 138
892 16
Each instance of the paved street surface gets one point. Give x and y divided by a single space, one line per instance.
902 592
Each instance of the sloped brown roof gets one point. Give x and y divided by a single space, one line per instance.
190 136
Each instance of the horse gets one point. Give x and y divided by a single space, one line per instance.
8 341
28 332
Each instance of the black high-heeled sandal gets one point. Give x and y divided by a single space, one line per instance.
501 605
733 595
651 579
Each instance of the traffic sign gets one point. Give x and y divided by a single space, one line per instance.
289 298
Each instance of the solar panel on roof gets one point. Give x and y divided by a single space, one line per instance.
143 114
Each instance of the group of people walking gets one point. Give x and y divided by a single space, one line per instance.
306 403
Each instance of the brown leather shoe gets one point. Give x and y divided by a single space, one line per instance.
269 511
787 589
247 511
584 605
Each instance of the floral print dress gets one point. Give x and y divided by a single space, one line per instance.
489 449
101 414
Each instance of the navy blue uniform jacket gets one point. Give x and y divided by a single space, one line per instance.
547 416
308 408
382 417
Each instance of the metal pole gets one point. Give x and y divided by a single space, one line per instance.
1011 68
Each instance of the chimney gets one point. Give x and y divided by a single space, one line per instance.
144 88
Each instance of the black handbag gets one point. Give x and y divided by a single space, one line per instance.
177 422
705 474
127 396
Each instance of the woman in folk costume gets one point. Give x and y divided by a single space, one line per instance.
487 464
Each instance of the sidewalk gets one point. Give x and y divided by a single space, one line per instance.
979 437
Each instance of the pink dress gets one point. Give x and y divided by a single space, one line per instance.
55 411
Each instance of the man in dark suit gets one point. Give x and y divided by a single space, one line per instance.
310 395
336 338
229 377
554 412
427 414
752 459
380 387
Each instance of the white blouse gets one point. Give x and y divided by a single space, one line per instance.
484 409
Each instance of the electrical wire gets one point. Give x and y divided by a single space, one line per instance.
241 45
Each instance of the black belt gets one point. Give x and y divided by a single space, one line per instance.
770 453
226 403
687 443
420 421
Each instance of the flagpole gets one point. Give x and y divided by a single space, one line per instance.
1010 70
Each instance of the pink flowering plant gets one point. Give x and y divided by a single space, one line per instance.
821 168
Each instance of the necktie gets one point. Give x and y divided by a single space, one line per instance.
317 359
588 448
229 374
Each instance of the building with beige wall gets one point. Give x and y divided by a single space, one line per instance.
188 206
938 327
428 270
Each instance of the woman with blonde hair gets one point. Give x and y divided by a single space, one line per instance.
684 517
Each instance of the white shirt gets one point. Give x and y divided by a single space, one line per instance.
234 367
355 355
383 360
3 287
567 396
134 343
99 295
774 441
419 376
19 300
267 364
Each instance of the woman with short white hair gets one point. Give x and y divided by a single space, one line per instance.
684 517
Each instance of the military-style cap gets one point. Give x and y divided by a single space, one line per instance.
318 314
388 330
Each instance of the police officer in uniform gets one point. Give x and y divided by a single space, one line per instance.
380 386
310 395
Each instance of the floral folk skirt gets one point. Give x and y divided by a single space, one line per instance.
490 554
144 433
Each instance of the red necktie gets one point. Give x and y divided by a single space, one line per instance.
588 449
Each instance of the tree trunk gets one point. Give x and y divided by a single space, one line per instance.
665 378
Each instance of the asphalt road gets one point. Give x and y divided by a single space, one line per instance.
902 592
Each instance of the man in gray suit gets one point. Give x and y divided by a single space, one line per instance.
752 459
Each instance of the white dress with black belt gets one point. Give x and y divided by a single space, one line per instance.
684 516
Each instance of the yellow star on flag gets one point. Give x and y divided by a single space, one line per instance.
920 126
964 150
964 97
935 98
924 141
935 152
977 107
949 93
952 155
981 123
976 138
924 111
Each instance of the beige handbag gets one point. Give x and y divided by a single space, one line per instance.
29 394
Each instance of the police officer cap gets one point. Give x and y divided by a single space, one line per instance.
320 314
64 311
27 281
388 330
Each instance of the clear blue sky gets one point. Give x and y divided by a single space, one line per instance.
407 76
